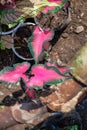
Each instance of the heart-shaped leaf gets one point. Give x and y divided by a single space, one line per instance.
36 41
52 7
11 75
61 69
46 75
39 76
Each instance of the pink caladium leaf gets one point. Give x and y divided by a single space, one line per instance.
50 8
46 75
37 40
47 9
56 1
11 75
39 76
61 69
65 2
60 4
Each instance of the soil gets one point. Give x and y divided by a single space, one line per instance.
21 41
52 20
6 58
64 47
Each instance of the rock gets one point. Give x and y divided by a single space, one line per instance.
79 63
79 29
65 97
1 93
65 35
82 14
18 126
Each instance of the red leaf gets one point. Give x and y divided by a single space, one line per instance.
30 93
35 43
43 74
13 74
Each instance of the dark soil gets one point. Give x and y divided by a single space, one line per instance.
65 45
52 20
70 41
6 58
21 41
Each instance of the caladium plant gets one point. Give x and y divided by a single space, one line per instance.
36 77
16 11
54 7
60 4
38 41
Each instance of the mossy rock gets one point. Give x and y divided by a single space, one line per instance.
79 62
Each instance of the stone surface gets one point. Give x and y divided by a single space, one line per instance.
65 98
65 35
79 29
1 93
79 63
30 113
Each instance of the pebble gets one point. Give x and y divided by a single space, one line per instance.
1 93
9 86
71 28
65 35
79 29
82 14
